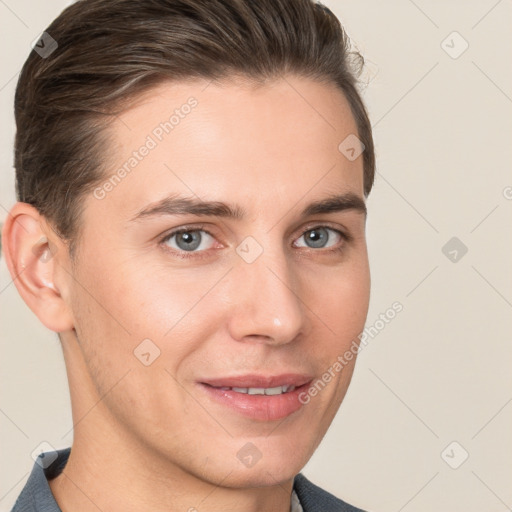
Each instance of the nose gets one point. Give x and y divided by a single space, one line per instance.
266 302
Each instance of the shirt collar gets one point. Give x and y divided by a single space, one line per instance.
36 494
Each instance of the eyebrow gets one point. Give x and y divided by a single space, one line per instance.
179 205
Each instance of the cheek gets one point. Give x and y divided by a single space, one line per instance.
137 302
170 316
341 300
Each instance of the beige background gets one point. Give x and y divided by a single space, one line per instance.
440 370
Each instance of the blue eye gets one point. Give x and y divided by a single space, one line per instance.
188 240
317 237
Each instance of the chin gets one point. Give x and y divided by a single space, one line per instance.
263 462
264 476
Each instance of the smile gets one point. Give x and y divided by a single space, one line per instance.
261 398
278 390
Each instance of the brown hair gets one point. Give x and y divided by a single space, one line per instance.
99 54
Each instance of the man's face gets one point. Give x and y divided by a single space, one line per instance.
182 333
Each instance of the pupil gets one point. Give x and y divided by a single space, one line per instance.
318 237
191 240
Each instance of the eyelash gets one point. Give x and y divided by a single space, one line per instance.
202 254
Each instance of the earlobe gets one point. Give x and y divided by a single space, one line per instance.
31 253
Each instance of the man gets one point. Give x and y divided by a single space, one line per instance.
192 178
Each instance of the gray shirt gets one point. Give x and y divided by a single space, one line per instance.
37 496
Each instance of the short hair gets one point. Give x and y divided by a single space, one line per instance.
107 52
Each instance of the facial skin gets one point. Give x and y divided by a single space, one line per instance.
153 436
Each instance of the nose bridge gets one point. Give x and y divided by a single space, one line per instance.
267 302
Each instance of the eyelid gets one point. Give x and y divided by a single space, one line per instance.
184 229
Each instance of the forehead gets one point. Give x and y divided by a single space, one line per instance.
258 145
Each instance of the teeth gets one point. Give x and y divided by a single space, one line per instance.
278 390
256 391
275 391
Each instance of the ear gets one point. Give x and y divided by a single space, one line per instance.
34 254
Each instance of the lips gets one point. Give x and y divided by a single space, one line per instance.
263 398
259 381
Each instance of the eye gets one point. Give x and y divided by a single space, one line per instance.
319 236
188 240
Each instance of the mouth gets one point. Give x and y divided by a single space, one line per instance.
278 390
262 398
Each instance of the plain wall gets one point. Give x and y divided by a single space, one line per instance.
439 372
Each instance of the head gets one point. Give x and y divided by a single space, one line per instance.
191 179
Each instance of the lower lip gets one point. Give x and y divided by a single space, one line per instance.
258 407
